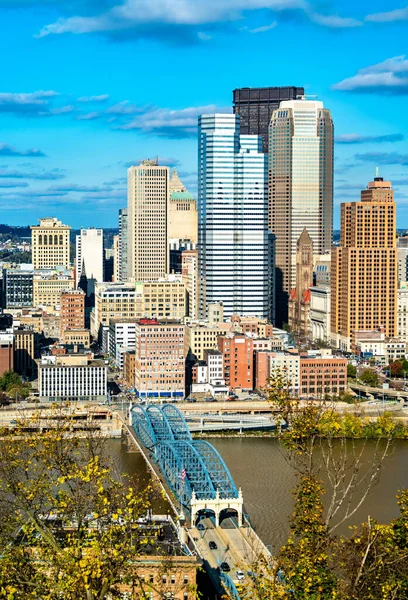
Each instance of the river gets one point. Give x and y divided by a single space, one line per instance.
259 467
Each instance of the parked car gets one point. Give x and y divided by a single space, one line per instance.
240 575
224 566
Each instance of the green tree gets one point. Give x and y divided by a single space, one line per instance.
351 371
369 377
69 528
316 563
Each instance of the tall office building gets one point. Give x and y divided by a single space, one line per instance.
256 105
50 244
300 187
236 249
365 266
123 245
89 254
402 245
148 201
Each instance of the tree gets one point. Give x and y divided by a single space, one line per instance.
395 368
69 525
316 563
351 371
369 377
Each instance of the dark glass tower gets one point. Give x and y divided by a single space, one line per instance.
256 105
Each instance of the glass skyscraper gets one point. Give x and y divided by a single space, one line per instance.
300 187
256 105
236 249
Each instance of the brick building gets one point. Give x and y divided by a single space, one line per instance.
319 376
159 359
72 314
237 351
6 352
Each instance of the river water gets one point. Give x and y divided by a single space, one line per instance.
259 467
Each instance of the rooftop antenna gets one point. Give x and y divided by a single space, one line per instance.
377 171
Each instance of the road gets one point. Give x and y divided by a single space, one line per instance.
239 547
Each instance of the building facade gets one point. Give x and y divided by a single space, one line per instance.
237 351
364 266
89 258
25 352
235 247
159 359
122 336
47 289
320 376
256 105
165 298
123 245
72 377
300 187
50 244
72 310
148 200
189 271
402 245
18 287
319 313
183 215
6 352
299 298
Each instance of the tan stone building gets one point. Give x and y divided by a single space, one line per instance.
80 337
183 214
164 298
25 352
148 240
300 296
50 244
72 310
365 266
47 290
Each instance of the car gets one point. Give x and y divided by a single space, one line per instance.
240 575
200 527
224 566
212 545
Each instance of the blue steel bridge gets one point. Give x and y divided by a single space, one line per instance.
193 469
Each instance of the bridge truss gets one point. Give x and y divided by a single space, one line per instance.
188 465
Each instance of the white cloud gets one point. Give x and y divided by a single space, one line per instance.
386 77
171 123
334 21
190 13
399 14
100 98
264 28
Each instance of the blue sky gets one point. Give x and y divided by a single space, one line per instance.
91 86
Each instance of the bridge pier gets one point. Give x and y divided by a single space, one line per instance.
128 442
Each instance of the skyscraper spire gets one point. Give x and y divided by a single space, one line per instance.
176 184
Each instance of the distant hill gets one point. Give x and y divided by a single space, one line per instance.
25 232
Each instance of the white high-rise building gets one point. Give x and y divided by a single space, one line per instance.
89 254
236 249
300 186
147 221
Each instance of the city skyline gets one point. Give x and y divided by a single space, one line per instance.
72 120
